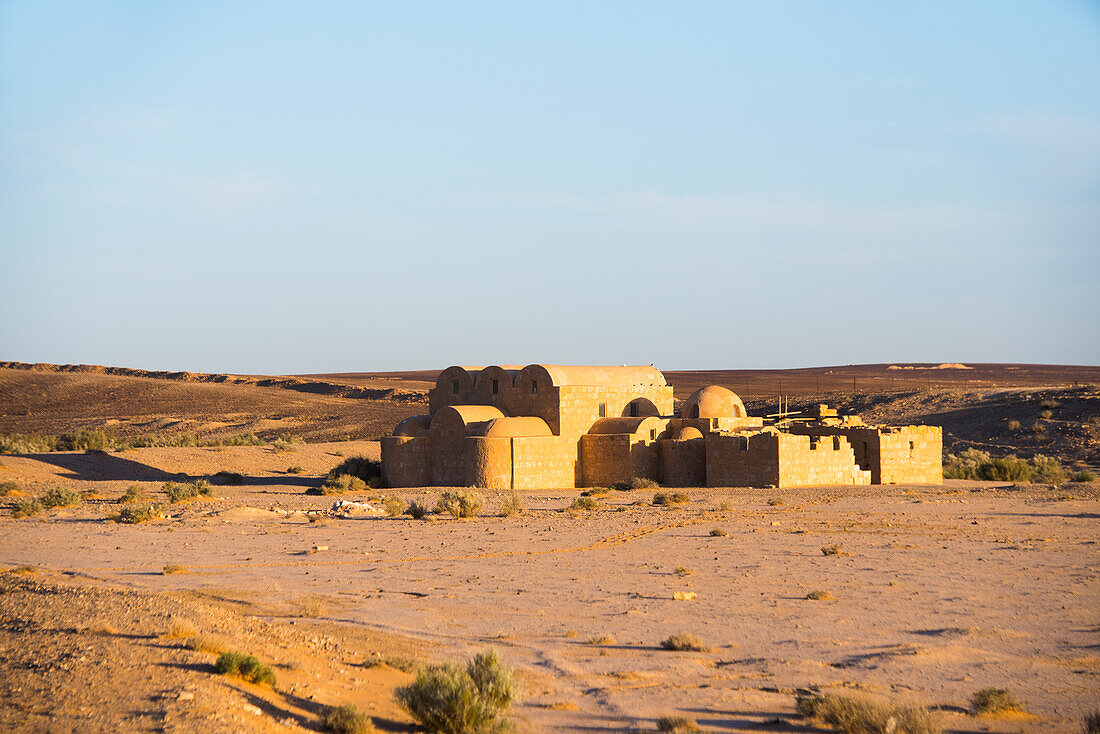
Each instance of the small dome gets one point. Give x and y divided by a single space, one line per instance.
713 401
413 425
687 433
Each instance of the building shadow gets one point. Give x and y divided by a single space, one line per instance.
102 466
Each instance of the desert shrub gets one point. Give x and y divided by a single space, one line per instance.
417 510
863 715
596 491
7 488
1008 469
1049 403
181 630
452 699
339 484
994 701
512 504
1092 723
397 662
670 498
134 514
1081 476
173 568
585 503
394 506
286 444
86 441
622 486
1014 425
819 595
460 502
676 724
684 642
683 571
26 507
643 483
26 443
601 640
1046 469
346 719
204 643
241 439
368 470
965 465
133 493
776 501
182 492
229 477
718 533
294 469
831 550
61 497
1046 414
244 666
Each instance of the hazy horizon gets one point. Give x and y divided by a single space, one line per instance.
267 188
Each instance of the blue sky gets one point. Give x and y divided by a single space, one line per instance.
305 187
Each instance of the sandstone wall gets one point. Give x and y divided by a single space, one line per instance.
818 460
742 461
902 455
406 461
683 463
489 462
544 462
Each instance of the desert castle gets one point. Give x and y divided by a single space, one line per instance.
545 426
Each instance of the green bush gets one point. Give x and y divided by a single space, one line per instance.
339 484
1081 476
246 667
182 492
460 503
1046 469
643 483
133 493
684 642
346 719
512 504
670 498
134 514
26 507
26 443
394 506
975 464
60 497
864 715
369 470
285 444
452 699
994 701
417 510
965 465
585 503
86 441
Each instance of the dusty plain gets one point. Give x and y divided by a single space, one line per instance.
936 592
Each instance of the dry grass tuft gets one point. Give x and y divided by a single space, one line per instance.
683 571
676 724
668 499
346 719
995 701
718 533
585 503
512 504
181 630
684 642
394 506
455 699
460 503
601 640
831 550
776 501
207 643
864 715
173 568
819 595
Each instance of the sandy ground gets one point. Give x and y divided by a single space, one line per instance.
938 591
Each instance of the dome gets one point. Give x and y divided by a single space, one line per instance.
413 426
687 433
516 427
713 401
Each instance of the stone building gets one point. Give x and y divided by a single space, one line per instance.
544 426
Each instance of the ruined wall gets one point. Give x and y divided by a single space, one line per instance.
911 455
405 461
886 451
742 461
543 462
806 461
683 463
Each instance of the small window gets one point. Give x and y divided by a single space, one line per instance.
652 434
534 386
496 386
454 387
603 410
633 410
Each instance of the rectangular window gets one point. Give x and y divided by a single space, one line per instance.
454 387
652 434
633 410
534 386
603 410
496 386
